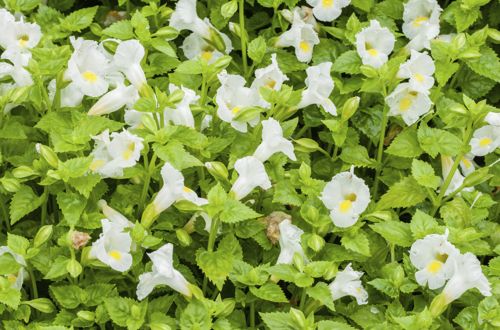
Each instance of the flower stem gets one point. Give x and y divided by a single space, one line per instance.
252 315
149 168
243 36
302 299
380 151
210 247
34 289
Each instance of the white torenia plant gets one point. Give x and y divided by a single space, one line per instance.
348 283
162 273
251 174
195 46
181 114
302 37
485 140
319 86
419 70
114 100
374 44
346 196
289 241
14 279
327 10
421 22
273 141
127 59
408 103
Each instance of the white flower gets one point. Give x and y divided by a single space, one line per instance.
195 46
15 280
18 73
305 13
251 174
289 242
113 246
127 59
493 118
18 36
319 85
232 97
419 69
111 156
467 164
173 190
182 114
114 100
408 103
271 76
374 44
162 273
185 18
348 283
421 22
467 275
457 180
346 196
273 141
433 256
114 216
301 36
485 140
327 10
71 96
88 67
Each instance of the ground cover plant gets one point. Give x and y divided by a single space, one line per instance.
268 164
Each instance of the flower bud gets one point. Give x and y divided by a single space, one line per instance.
10 184
23 172
298 318
167 33
149 123
330 273
176 96
225 308
438 305
43 305
218 170
316 242
217 41
79 239
235 29
74 268
304 171
48 154
42 235
222 62
86 315
306 145
298 261
350 107
368 71
96 29
459 41
183 237
149 216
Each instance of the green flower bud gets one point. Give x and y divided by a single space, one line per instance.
217 41
96 29
86 315
149 216
222 62
42 235
218 170
10 184
330 273
149 123
316 242
298 318
350 107
306 145
235 29
298 261
183 237
167 33
438 305
176 96
368 71
304 171
48 154
23 172
225 308
43 305
74 268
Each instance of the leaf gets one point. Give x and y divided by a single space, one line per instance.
79 19
10 296
23 202
120 30
8 265
434 141
236 211
278 321
423 173
68 296
385 286
285 193
405 193
330 325
270 292
321 292
175 154
72 206
348 62
405 144
17 244
216 266
257 49
394 232
422 225
357 242
487 65
126 312
85 184
357 156
163 46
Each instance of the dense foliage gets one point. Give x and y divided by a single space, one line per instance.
322 164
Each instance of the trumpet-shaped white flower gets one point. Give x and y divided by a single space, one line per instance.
467 275
114 216
419 69
374 44
15 280
493 118
302 37
182 114
273 141
251 174
173 190
457 180
433 256
305 13
421 22
232 97
185 18
289 242
18 73
195 46
485 140
319 85
18 36
127 59
113 246
71 96
271 76
111 156
114 100
467 164
162 273
327 10
346 196
88 68
348 283
408 103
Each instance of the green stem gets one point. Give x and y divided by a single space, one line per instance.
5 215
301 132
204 89
149 168
335 152
45 196
243 36
34 289
303 297
393 257
210 247
380 151
252 315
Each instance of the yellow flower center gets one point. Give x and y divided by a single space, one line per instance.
271 83
11 278
419 77
372 52
23 40
207 55
434 266
117 255
419 20
467 163
129 151
186 189
304 46
407 101
486 141
327 3
345 206
235 110
89 76
96 164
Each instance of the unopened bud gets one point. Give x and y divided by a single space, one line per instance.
235 29
167 33
183 237
86 315
298 261
42 235
79 239
316 242
43 305
438 305
298 318
306 145
222 62
149 216
218 170
48 154
368 71
149 123
10 184
23 172
74 268
217 41
176 96
350 107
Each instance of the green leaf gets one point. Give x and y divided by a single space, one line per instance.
163 46
8 265
405 144
215 265
229 8
195 316
68 296
79 19
423 173
126 312
278 321
236 211
357 242
24 202
120 30
487 65
405 193
270 292
85 184
434 141
257 49
348 62
72 206
285 193
321 292
329 325
17 244
10 297
175 154
422 225
395 232
357 156
385 286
